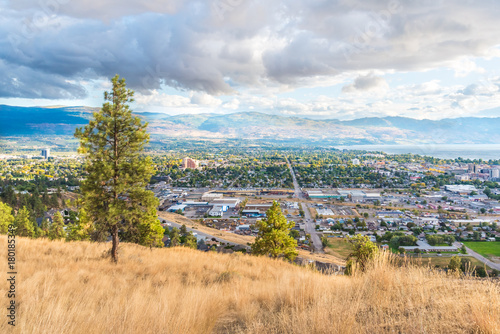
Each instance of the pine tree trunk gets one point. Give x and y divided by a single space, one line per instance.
114 249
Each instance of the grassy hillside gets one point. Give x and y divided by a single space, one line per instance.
72 288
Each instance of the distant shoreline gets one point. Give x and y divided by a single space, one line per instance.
443 151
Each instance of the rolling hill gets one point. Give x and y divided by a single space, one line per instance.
72 287
33 121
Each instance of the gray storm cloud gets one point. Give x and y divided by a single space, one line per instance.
220 46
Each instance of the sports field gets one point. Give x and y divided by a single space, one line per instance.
489 249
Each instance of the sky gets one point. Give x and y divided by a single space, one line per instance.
342 59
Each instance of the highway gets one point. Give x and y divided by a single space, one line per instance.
310 226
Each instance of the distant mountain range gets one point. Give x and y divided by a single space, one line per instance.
48 121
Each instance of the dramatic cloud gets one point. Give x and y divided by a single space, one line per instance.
233 48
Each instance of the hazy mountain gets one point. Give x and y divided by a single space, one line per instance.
46 121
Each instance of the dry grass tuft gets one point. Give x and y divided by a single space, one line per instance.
70 288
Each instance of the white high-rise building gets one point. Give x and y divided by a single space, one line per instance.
495 173
46 153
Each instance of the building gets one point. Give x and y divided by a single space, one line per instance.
460 188
208 196
324 212
312 194
46 153
355 162
495 173
177 207
473 168
229 202
189 163
463 177
217 211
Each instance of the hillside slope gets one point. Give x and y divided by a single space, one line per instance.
53 121
71 288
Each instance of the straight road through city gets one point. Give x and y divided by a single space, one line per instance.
310 226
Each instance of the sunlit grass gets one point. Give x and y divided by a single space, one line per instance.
73 288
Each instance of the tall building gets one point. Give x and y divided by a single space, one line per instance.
495 173
46 153
189 163
473 168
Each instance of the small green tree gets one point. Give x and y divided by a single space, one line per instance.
79 229
324 241
183 229
175 238
151 234
56 231
190 241
273 237
363 251
6 217
44 228
463 250
23 224
455 263
481 272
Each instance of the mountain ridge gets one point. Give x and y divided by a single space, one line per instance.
59 120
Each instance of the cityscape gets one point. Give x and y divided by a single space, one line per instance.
329 194
250 167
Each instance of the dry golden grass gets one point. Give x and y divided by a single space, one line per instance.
72 288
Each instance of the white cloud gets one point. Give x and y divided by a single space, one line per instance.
205 100
368 82
464 67
234 104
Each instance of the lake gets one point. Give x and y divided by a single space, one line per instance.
451 151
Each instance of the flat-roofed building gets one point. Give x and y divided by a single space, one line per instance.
216 211
460 188
208 196
229 202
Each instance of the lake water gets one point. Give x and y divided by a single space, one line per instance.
452 151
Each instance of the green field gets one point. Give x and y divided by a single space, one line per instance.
443 261
338 247
487 249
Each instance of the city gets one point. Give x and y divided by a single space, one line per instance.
250 167
329 195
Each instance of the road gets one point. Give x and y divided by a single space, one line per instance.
310 226
479 257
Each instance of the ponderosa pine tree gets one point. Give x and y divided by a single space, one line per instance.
175 238
79 229
6 217
24 224
115 197
56 230
273 238
44 228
